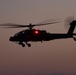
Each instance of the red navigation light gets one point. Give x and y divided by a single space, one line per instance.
36 32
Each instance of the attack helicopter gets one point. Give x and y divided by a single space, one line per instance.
35 35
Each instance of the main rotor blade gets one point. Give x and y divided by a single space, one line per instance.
46 23
11 25
49 21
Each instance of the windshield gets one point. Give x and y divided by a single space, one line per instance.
19 33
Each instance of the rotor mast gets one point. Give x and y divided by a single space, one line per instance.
30 26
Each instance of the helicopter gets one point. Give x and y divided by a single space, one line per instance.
35 35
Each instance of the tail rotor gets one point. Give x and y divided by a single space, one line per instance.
67 22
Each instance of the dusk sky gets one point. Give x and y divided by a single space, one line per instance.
55 57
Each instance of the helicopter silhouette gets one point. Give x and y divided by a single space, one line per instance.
35 35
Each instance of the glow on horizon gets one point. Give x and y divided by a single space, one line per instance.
57 56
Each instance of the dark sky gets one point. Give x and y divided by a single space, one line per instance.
47 58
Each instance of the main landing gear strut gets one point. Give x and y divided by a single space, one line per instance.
23 45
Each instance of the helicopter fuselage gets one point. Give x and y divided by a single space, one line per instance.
36 35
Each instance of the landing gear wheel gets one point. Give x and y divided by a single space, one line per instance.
74 38
23 45
29 45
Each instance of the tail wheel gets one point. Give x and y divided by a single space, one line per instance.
74 38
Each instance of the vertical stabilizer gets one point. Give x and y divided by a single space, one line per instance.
72 27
